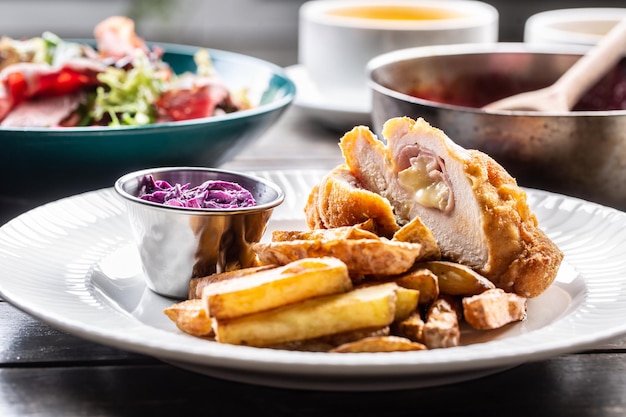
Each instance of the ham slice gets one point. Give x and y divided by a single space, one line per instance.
43 112
477 213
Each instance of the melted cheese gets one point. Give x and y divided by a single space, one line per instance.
427 190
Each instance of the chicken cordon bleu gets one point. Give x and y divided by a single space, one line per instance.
476 211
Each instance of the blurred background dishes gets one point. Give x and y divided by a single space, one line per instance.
337 38
337 115
579 26
176 244
580 153
41 164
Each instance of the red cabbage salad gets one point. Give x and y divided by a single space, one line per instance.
48 82
212 194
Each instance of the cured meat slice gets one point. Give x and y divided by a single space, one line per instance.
43 112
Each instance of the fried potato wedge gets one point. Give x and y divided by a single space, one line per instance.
457 279
342 232
423 280
366 307
411 327
299 280
362 256
416 231
379 344
191 317
337 339
196 285
441 329
406 302
493 309
407 299
331 341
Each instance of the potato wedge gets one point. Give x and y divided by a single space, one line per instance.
493 309
441 329
362 256
457 279
331 341
265 290
367 307
406 302
423 280
343 232
379 344
196 285
190 317
416 231
337 339
407 299
411 327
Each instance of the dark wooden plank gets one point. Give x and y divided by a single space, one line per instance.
25 340
572 385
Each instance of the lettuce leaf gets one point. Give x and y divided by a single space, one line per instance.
127 96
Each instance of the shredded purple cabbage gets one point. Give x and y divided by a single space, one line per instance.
211 194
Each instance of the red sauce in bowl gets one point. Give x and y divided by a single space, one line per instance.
479 90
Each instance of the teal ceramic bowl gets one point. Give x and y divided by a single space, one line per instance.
41 164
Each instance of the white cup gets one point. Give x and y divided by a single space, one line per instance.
337 38
577 26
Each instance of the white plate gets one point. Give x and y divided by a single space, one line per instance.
71 264
339 115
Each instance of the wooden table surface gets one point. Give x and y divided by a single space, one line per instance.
46 372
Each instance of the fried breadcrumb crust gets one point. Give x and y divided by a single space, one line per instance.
523 259
520 256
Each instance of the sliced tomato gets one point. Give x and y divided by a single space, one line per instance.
66 81
21 87
16 86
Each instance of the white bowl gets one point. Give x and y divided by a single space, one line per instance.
579 26
337 38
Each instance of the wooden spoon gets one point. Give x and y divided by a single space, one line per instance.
569 88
